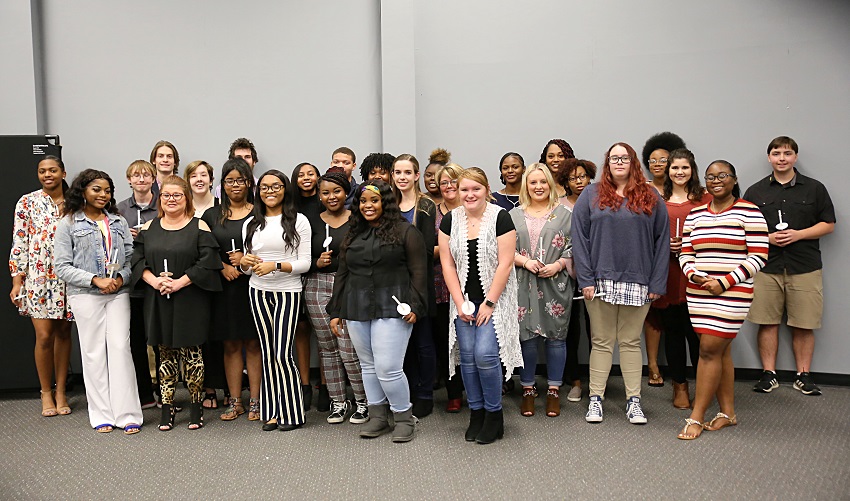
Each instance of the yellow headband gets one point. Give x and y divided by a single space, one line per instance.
372 188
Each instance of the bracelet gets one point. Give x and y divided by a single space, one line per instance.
526 261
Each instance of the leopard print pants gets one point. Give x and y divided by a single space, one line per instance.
169 370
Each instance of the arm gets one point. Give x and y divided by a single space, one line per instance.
417 267
507 245
661 251
755 232
19 255
302 262
789 236
333 308
450 275
126 271
580 239
204 272
687 256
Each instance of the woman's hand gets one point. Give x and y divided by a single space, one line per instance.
460 314
483 315
588 292
235 257
675 245
410 318
549 270
324 260
249 261
653 296
16 291
533 265
106 285
229 272
261 269
698 279
713 286
335 326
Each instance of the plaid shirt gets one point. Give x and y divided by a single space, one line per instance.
622 293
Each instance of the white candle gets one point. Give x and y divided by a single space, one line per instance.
232 245
165 265
677 227
138 217
540 250
327 237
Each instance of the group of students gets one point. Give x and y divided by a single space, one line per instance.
403 287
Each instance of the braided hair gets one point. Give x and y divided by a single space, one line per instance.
565 147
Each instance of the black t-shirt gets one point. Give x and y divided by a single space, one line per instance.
473 286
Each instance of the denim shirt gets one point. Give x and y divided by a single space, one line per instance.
79 254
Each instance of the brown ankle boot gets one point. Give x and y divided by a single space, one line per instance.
681 395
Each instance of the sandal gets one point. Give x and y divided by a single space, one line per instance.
730 421
210 400
49 411
103 428
234 410
166 421
684 435
254 409
529 393
196 416
132 429
655 379
63 410
553 402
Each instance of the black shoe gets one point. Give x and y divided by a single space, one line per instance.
289 427
476 421
806 384
493 429
323 404
166 421
270 426
508 386
422 407
196 416
767 383
307 395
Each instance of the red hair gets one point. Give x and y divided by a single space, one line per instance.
641 196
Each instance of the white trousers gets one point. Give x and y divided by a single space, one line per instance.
103 323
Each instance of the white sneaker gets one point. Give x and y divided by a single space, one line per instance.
575 394
594 410
338 411
634 411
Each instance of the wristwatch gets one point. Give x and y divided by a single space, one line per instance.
277 266
489 303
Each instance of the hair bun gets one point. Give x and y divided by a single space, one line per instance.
439 156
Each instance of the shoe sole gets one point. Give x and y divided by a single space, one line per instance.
593 419
358 421
806 392
573 399
336 420
774 385
375 434
637 421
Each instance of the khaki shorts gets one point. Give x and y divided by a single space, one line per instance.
801 296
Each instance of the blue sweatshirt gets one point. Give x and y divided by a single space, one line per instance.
620 245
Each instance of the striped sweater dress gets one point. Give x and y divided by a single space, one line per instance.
730 246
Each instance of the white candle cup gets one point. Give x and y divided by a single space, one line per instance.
403 309
468 307
782 225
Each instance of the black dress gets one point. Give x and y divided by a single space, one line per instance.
232 320
183 320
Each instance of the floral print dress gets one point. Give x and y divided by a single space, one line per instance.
36 216
544 303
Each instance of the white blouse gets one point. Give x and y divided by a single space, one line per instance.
268 244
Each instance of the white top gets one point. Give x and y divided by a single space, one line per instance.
268 244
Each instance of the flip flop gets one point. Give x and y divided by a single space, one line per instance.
683 435
730 421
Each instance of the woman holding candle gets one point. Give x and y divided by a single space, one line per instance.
724 244
544 258
338 358
277 245
655 159
36 290
619 281
380 291
682 193
93 251
176 255
478 242
511 169
232 310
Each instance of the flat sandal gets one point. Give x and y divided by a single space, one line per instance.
689 422
730 421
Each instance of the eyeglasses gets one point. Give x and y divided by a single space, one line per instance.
573 179
662 160
264 188
171 196
145 175
722 176
241 181
445 184
619 160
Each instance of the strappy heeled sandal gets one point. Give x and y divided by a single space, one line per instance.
166 420
683 435
528 396
47 411
234 410
553 403
730 421
196 416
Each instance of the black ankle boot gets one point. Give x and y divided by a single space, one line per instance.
476 421
307 394
493 429
323 403
422 407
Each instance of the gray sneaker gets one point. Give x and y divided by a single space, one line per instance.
575 394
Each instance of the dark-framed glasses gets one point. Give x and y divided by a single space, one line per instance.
620 160
171 196
662 160
722 176
241 181
580 177
274 188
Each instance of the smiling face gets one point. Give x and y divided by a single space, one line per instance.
782 159
50 174
332 196
720 189
173 200
235 187
512 169
620 166
680 171
164 161
554 157
537 186
271 191
98 193
307 180
448 188
578 180
200 181
141 181
473 195
371 207
658 163
429 177
405 175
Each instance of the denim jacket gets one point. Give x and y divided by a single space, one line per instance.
79 254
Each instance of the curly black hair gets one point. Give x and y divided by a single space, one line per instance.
75 199
291 237
694 188
241 166
242 143
383 161
390 223
562 177
661 141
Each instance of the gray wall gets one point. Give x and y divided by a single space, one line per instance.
479 78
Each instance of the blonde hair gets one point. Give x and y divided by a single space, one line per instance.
477 175
525 198
184 187
141 166
452 170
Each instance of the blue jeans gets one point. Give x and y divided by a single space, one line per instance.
556 357
380 345
480 364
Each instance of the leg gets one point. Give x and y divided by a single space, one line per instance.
233 374
628 335
604 318
45 340
489 366
361 339
573 339
423 337
466 345
726 391
123 390
316 298
674 342
529 361
652 335
90 314
803 342
556 354
214 376
263 308
169 368
292 399
193 365
709 374
389 343
302 348
139 350
352 365
768 346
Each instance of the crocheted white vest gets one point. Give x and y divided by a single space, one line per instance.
505 319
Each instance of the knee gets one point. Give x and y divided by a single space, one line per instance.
388 370
709 353
487 357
